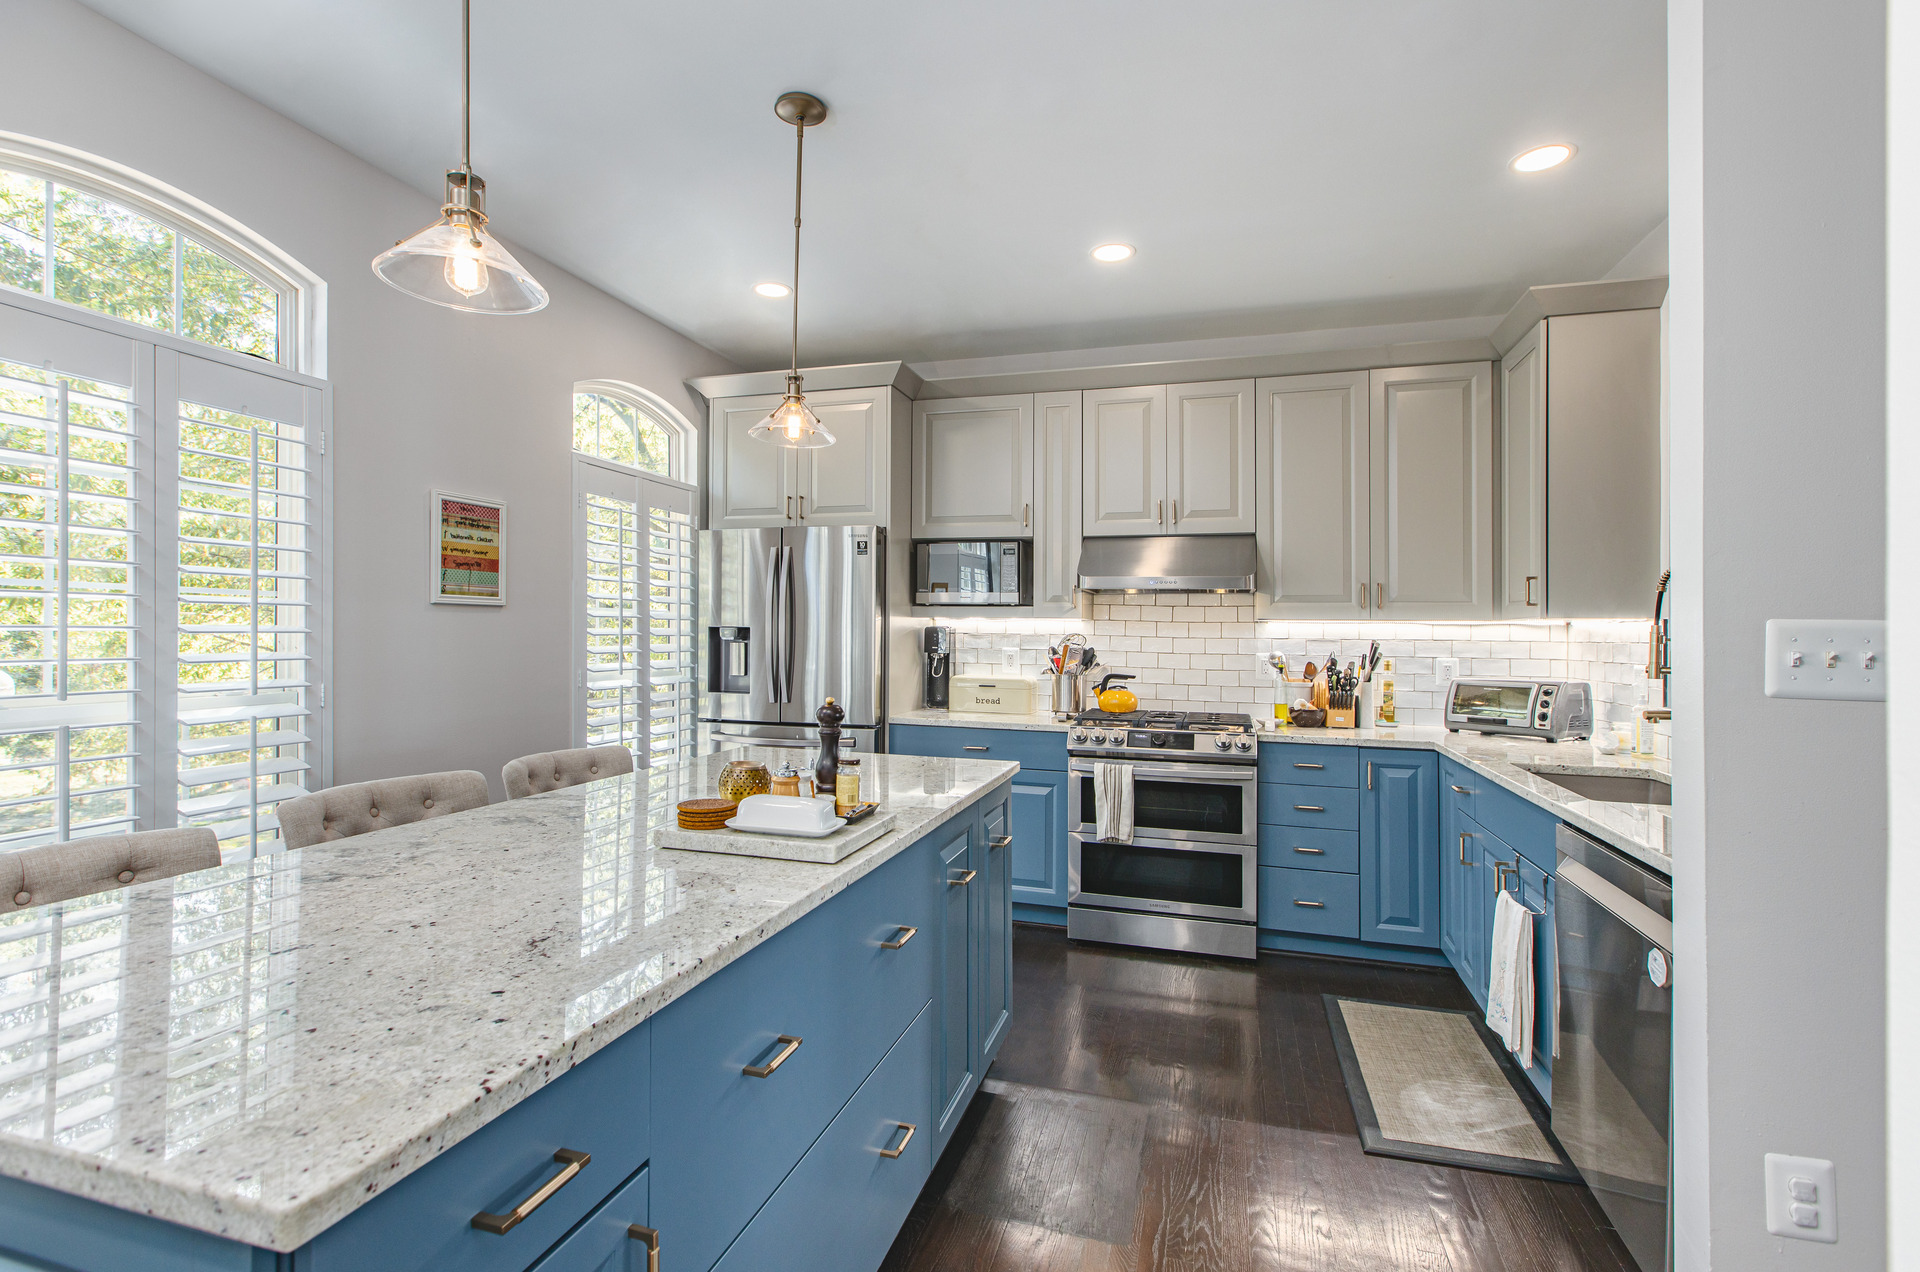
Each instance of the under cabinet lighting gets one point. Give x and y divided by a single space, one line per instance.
1540 158
1111 252
773 291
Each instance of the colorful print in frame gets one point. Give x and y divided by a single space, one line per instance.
469 541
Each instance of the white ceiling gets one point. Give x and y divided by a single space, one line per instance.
1281 164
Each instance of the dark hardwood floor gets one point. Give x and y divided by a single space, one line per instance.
1157 1111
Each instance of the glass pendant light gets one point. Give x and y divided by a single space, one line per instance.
793 423
455 262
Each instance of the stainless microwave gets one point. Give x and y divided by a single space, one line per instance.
973 572
1550 709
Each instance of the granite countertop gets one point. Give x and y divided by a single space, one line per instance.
1643 832
267 1045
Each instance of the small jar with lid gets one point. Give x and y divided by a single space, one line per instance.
846 786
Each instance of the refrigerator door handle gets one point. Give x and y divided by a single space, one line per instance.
778 627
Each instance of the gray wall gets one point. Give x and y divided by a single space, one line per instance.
1778 511
423 397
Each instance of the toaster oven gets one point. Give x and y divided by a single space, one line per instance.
1552 709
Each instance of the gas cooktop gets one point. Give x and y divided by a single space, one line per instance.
1141 733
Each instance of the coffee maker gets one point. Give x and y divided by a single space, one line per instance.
936 646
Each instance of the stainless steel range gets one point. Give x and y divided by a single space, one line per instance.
1186 878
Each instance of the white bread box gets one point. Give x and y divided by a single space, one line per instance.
1007 695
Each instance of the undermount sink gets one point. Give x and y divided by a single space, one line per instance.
1611 788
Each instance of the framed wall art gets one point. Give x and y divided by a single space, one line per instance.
468 550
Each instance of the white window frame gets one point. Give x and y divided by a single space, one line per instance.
684 439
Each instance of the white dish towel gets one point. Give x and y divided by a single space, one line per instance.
1113 801
1510 987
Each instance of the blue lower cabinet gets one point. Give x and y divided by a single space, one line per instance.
842 1206
1308 763
1526 827
1316 902
1310 848
958 953
1029 748
1315 807
1459 890
994 885
613 1238
1039 863
425 1221
1400 848
1533 888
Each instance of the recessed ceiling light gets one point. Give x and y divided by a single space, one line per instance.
1540 158
773 291
1113 252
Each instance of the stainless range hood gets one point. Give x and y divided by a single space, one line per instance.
1168 563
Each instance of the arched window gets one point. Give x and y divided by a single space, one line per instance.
80 231
630 426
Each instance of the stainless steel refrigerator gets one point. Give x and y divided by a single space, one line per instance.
789 619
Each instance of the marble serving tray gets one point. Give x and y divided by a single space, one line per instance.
825 850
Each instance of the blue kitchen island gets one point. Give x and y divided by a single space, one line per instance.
515 1038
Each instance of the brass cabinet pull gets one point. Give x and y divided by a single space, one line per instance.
640 1232
803 507
1363 596
973 748
1317 852
1311 905
909 1128
900 938
499 1224
1026 515
791 1045
1530 582
1460 790
1369 774
789 507
963 880
1309 766
1308 808
1463 849
1000 841
1380 596
1160 512
1176 512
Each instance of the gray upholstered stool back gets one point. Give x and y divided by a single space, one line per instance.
80 867
551 770
341 811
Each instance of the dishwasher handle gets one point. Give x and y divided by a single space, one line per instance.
1655 927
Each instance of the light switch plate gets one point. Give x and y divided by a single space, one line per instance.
1785 1215
1841 660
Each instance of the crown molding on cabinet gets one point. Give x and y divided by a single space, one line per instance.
852 375
1562 299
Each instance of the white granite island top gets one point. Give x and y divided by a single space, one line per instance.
257 1050
1643 832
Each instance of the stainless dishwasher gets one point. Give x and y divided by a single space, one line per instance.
1613 1056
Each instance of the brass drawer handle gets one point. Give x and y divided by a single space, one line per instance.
1308 808
1460 790
1000 841
909 1128
792 1044
1310 766
1463 848
973 748
904 935
1311 905
1317 852
640 1232
963 880
500 1224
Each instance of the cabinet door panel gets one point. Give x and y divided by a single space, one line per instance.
1057 457
1523 477
1125 462
994 886
604 1242
957 955
846 484
1314 495
1399 850
1039 862
752 482
1431 437
973 467
1210 458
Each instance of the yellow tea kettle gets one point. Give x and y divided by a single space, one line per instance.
1117 700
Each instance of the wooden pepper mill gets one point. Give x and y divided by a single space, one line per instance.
826 772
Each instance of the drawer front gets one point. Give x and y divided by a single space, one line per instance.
1316 902
1309 764
1029 748
425 1221
1310 848
1527 827
727 1138
843 1204
1458 789
606 1241
1322 807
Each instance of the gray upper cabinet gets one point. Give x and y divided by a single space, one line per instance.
1581 412
973 468
1124 461
755 485
1056 504
1314 496
1210 479
1523 478
1431 459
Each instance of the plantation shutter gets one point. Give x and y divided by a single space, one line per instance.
670 598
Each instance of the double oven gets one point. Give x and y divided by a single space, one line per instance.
1186 878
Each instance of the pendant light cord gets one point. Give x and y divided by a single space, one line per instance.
799 155
466 86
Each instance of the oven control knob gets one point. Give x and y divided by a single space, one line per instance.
1221 742
1098 739
1243 744
1157 739
1079 735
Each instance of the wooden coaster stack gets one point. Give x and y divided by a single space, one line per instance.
705 814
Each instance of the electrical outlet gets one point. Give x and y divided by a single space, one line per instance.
1446 670
1800 1198
1010 658
1840 660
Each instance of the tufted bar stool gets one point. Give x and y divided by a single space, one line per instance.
551 770
81 867
341 811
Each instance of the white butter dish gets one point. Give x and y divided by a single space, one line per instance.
785 815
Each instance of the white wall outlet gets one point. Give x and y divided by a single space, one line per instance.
1010 658
1446 670
1800 1199
1841 660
